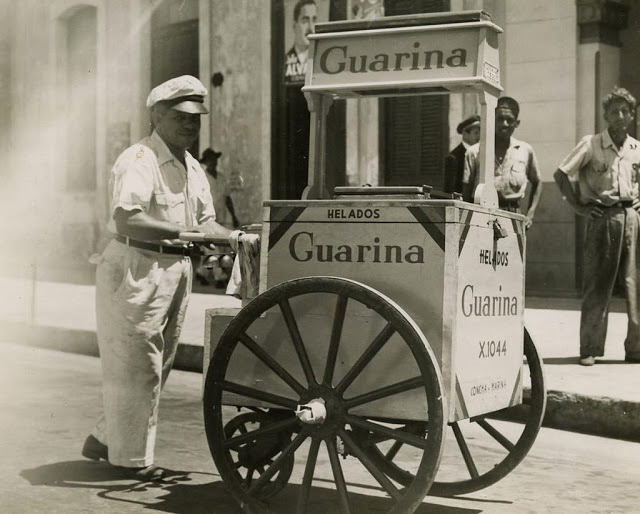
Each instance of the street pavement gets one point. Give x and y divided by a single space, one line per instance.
49 400
602 400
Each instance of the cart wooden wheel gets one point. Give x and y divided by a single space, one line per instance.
496 464
320 408
252 457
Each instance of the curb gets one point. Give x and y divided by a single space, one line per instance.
594 415
573 412
84 342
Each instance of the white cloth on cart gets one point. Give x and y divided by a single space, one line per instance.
245 275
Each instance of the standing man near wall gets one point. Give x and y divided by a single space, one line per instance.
469 129
143 280
515 164
608 167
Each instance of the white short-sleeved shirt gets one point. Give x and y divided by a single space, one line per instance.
606 174
518 165
149 178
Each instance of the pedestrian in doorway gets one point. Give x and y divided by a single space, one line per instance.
607 166
220 188
515 164
469 129
210 267
143 281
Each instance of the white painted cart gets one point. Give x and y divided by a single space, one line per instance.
385 314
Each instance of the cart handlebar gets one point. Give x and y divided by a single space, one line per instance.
203 238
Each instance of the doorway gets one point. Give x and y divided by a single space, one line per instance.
174 45
290 114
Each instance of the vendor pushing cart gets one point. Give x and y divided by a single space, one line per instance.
385 314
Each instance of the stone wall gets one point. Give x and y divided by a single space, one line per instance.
241 105
540 72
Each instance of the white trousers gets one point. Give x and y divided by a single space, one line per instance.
141 301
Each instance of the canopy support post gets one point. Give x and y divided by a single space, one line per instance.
318 105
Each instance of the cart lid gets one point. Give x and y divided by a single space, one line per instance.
403 21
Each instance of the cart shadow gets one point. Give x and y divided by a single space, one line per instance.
323 500
176 495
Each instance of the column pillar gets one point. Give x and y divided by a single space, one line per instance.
598 59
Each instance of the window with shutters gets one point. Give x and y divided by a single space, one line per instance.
414 129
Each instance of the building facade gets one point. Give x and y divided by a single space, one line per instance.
75 75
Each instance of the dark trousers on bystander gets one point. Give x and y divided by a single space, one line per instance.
610 247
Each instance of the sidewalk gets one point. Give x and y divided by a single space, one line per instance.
602 400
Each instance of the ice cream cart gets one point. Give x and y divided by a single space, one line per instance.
387 317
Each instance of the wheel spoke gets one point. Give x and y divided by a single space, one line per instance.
380 477
398 434
336 334
393 451
375 346
277 426
278 463
305 488
338 476
256 394
247 480
259 352
384 392
298 344
464 449
493 432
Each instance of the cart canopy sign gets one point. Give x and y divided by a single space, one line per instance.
400 58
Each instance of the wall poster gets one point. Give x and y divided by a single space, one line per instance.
300 18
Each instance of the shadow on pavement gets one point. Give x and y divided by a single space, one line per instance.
173 494
176 495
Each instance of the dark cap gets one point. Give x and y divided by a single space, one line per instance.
192 104
506 102
471 121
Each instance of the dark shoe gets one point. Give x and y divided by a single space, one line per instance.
587 361
147 474
94 449
635 360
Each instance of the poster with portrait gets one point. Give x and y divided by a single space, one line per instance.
300 18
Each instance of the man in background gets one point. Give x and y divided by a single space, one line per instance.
469 129
607 166
515 164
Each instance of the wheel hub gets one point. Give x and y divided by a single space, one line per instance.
312 413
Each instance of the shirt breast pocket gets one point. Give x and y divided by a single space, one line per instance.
518 175
599 178
171 206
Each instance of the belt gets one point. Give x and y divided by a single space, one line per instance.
143 245
622 204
